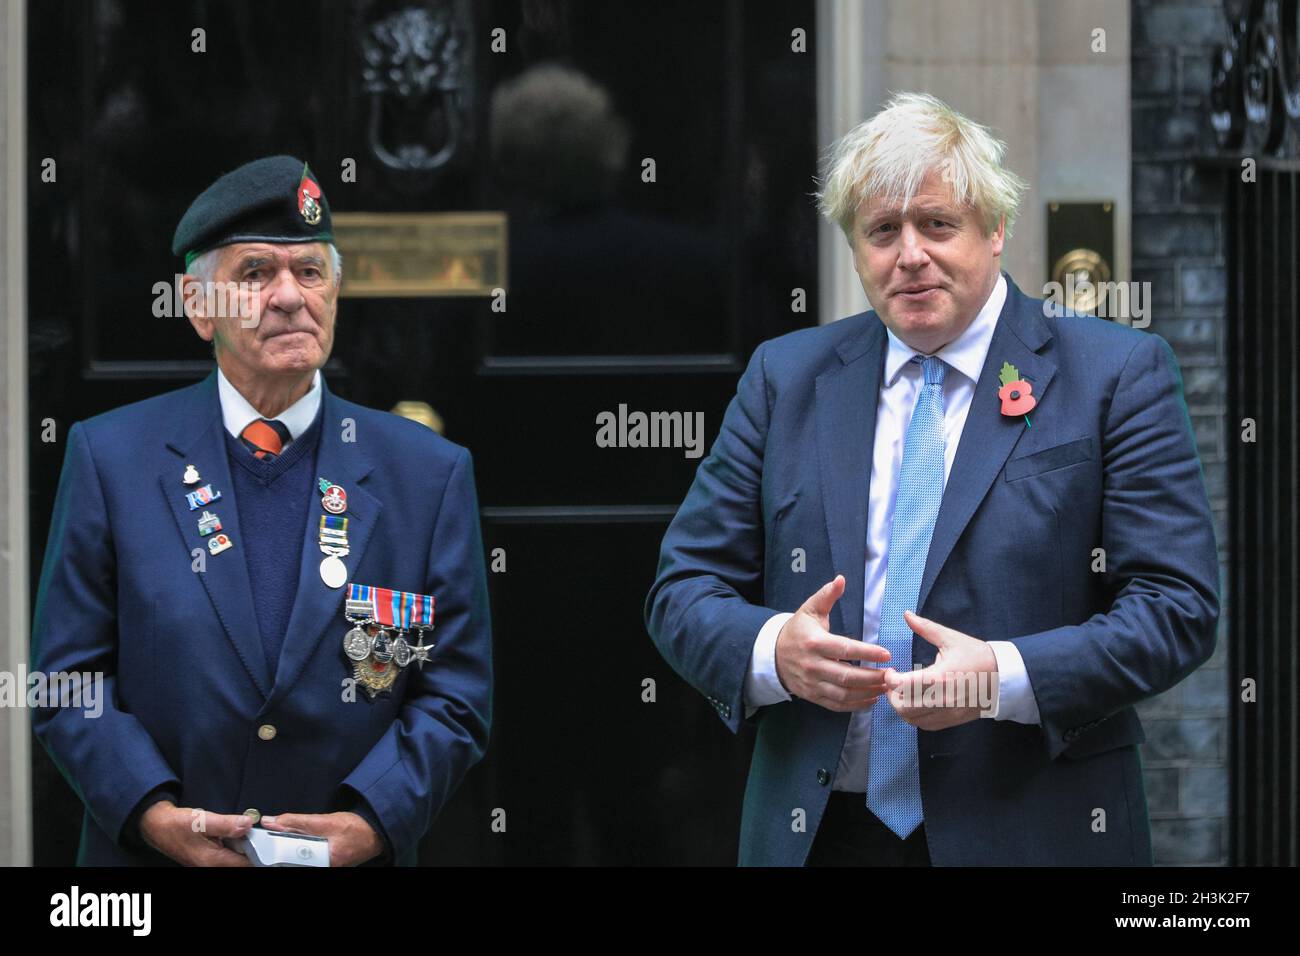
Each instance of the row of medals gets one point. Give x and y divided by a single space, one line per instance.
369 645
363 641
370 653
377 655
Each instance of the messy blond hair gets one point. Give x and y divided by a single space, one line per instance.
889 155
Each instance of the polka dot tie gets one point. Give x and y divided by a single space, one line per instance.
265 439
893 772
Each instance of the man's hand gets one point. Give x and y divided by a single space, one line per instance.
811 661
192 837
964 673
352 839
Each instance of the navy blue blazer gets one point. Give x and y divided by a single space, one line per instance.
186 680
1107 461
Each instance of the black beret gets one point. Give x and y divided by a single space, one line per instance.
276 199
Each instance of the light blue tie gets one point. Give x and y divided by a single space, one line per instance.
893 773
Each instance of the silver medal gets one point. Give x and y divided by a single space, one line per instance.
401 652
356 644
333 572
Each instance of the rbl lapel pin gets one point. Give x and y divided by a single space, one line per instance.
202 496
1016 394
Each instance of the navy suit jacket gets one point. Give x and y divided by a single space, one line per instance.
187 685
1107 460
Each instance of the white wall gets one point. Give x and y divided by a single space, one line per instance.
15 752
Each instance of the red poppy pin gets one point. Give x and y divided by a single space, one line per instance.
309 197
1016 394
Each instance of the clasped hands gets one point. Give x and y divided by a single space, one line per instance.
194 837
821 667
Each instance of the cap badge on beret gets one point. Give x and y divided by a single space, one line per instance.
308 193
273 199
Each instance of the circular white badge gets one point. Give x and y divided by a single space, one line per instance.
333 572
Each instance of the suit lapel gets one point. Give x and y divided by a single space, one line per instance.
846 399
200 440
988 436
317 607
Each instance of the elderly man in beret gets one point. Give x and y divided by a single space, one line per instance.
255 566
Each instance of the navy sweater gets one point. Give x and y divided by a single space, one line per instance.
275 498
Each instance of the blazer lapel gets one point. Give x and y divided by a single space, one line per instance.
988 436
200 440
317 606
846 399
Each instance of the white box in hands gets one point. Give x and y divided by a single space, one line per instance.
274 848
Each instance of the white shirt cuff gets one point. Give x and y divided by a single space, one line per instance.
1013 696
762 685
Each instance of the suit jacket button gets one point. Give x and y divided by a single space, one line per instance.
823 776
266 732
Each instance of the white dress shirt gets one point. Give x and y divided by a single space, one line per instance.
237 413
1013 697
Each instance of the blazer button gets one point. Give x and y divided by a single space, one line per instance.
266 732
823 776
